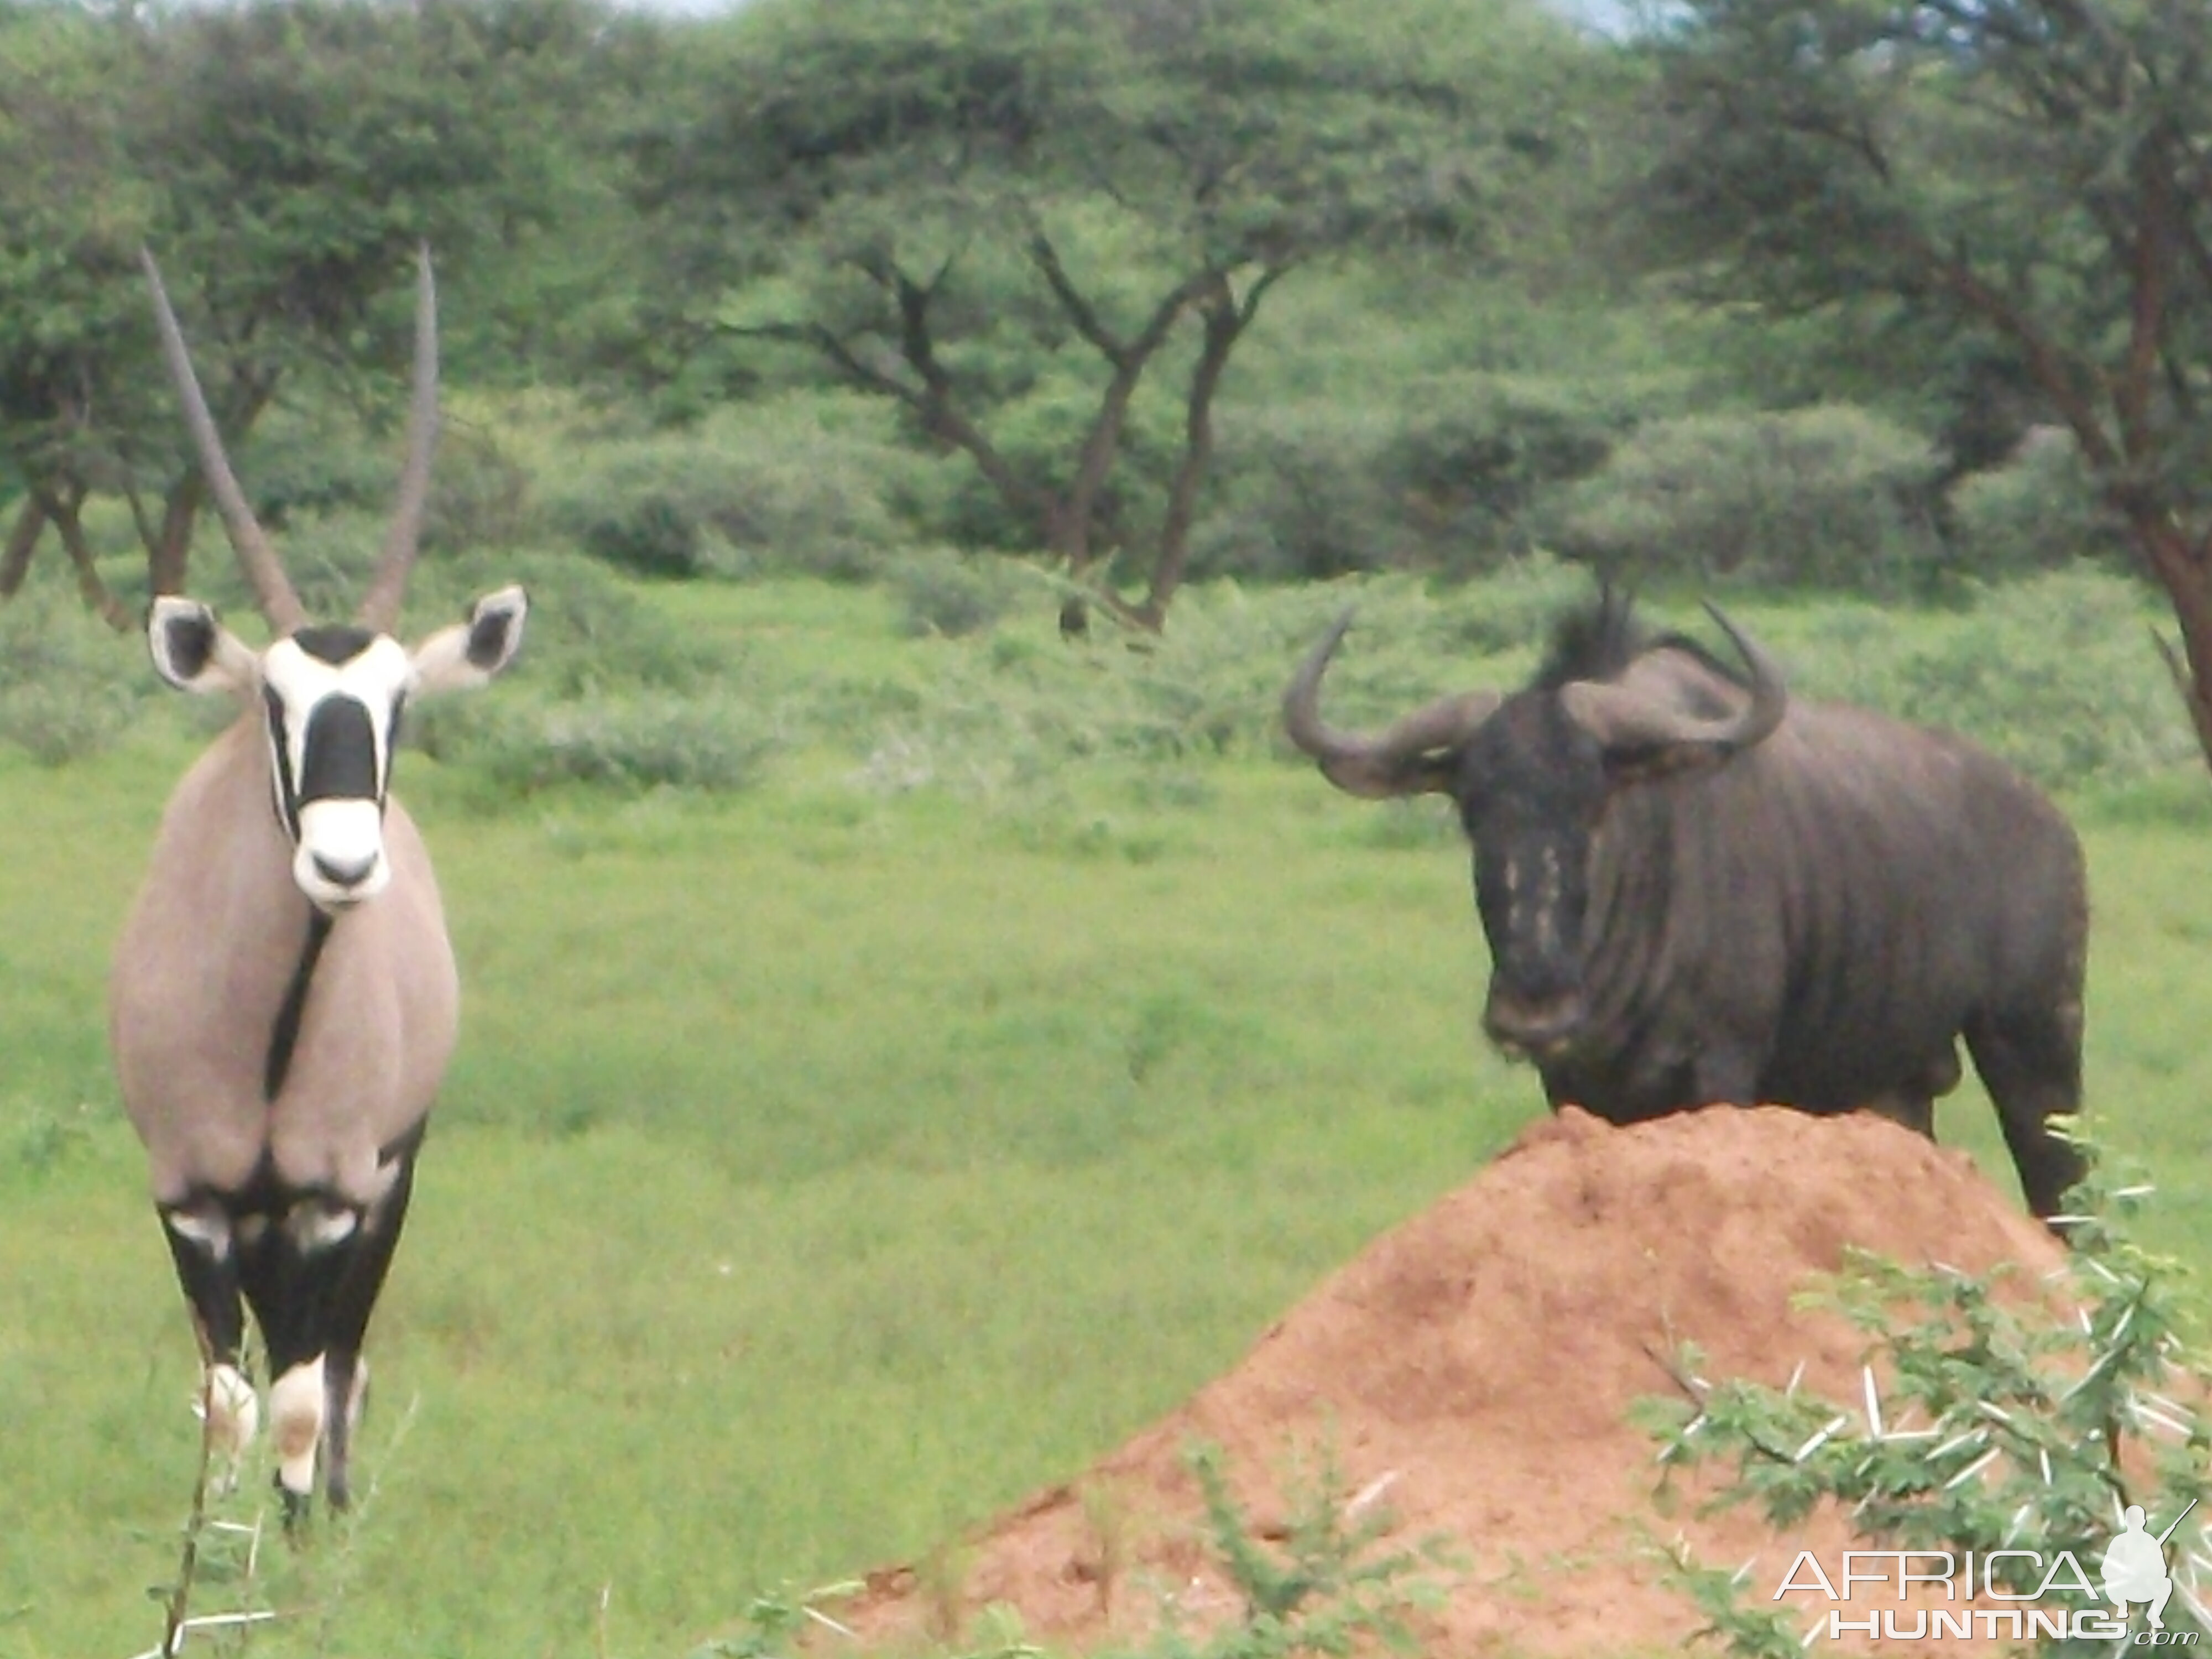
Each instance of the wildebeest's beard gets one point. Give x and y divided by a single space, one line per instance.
1532 788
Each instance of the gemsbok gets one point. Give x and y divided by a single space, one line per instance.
283 1000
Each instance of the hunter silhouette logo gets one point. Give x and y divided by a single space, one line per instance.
2134 1566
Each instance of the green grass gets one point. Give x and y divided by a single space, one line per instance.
826 1163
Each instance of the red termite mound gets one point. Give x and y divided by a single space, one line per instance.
1478 1363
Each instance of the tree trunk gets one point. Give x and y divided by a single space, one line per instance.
1224 318
98 599
2182 570
22 542
168 557
1073 514
1224 321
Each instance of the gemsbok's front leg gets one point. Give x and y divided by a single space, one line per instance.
345 1373
203 1245
291 1269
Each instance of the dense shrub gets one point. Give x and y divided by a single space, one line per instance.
944 592
645 529
2036 513
1475 455
761 487
70 685
2056 673
480 495
303 465
1298 494
1819 497
627 742
1447 474
1009 713
303 460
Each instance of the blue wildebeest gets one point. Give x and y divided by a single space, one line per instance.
1697 888
283 998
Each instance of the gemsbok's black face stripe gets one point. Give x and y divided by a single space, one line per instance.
340 753
280 749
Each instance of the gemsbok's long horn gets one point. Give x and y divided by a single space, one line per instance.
379 606
257 557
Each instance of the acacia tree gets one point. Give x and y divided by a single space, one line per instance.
1008 213
2036 174
283 159
303 149
69 215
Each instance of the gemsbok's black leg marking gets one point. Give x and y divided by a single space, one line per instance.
200 1245
344 1372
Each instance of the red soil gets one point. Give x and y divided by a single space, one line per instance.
1478 1360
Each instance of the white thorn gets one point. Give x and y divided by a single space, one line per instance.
1368 1495
1972 1469
1819 1439
1970 1437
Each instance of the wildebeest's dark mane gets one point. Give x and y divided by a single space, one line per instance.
1598 638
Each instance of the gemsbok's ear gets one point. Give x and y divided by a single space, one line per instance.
193 651
468 653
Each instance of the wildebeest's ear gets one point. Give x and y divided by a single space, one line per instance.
193 651
469 653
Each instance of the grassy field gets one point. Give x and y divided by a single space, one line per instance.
828 1162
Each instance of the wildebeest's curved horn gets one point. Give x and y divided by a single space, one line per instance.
257 557
1407 759
1632 718
379 606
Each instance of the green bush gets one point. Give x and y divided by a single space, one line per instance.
1298 494
308 464
1450 474
2038 512
1996 1418
304 460
1821 497
1476 455
778 486
70 685
480 495
2055 673
1005 715
634 742
942 593
651 532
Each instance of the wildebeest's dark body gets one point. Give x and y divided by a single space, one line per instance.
1698 889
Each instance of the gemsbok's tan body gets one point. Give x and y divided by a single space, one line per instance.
284 999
